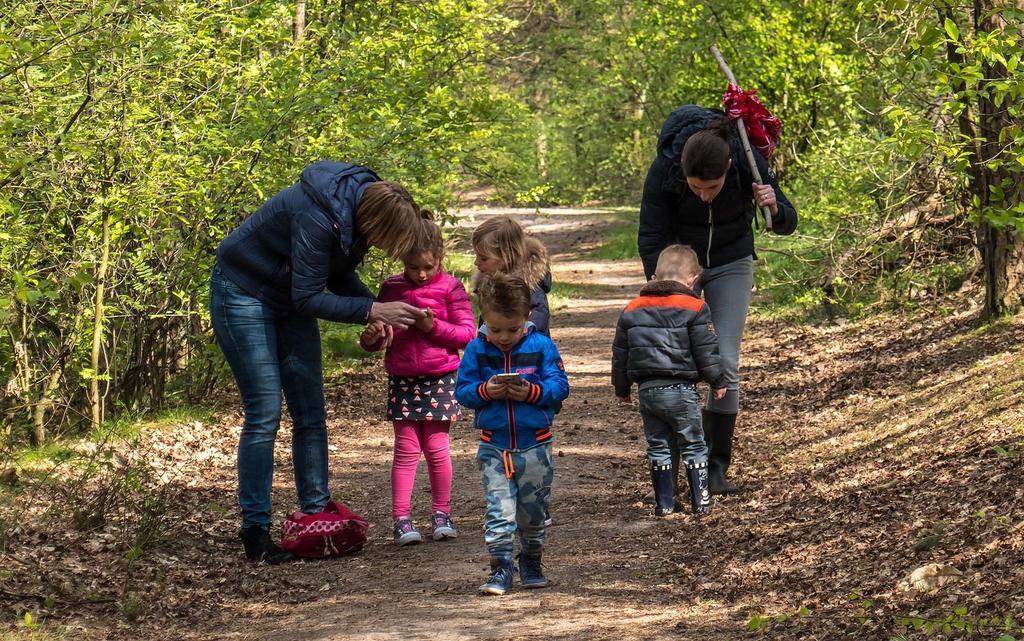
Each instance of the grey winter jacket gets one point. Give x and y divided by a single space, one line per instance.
664 336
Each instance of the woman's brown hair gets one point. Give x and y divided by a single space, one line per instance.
706 153
390 219
506 295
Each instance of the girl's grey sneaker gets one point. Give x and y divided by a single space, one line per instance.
443 527
406 533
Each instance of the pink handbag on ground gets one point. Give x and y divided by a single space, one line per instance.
334 532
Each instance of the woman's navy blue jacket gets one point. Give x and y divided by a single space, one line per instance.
670 212
300 250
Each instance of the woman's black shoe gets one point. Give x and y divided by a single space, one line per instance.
261 548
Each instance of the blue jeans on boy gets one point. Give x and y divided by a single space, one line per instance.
517 486
270 351
671 415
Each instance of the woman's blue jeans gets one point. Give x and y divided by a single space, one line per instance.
269 352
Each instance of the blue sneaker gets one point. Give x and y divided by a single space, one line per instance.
531 573
500 580
406 533
443 527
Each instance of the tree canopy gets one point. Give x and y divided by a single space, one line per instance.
137 133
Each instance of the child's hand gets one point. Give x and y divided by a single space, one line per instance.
426 324
519 391
496 390
372 332
627 399
375 332
719 393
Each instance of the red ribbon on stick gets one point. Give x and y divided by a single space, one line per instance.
763 128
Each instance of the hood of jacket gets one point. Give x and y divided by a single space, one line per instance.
679 126
666 288
336 187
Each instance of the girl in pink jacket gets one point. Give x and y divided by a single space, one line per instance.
421 363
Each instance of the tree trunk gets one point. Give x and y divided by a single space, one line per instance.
1002 249
95 399
299 27
541 144
44 404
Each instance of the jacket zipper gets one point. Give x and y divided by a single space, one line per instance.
711 234
508 405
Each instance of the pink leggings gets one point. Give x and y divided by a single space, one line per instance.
411 438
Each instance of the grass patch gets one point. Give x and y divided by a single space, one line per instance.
461 265
620 239
52 452
342 352
34 631
131 425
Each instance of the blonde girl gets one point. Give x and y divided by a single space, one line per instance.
503 247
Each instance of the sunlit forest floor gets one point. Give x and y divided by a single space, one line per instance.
867 449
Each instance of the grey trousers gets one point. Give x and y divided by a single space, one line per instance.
726 290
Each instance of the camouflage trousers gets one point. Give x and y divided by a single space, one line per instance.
517 486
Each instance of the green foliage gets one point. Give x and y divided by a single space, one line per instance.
601 76
171 122
928 538
960 65
761 622
960 621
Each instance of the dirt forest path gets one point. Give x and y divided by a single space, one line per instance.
867 449
606 553
615 565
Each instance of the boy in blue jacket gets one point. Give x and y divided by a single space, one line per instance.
513 376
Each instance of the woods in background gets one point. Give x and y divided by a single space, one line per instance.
135 134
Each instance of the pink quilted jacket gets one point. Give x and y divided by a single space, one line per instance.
414 353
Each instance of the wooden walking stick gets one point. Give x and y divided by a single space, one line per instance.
743 135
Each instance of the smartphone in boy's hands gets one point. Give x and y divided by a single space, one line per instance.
512 378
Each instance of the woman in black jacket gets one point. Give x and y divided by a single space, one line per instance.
700 192
291 262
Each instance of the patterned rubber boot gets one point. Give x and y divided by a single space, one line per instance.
664 489
500 580
700 494
531 572
649 497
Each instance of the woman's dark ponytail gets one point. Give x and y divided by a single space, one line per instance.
706 153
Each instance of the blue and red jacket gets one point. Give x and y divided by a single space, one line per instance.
504 423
